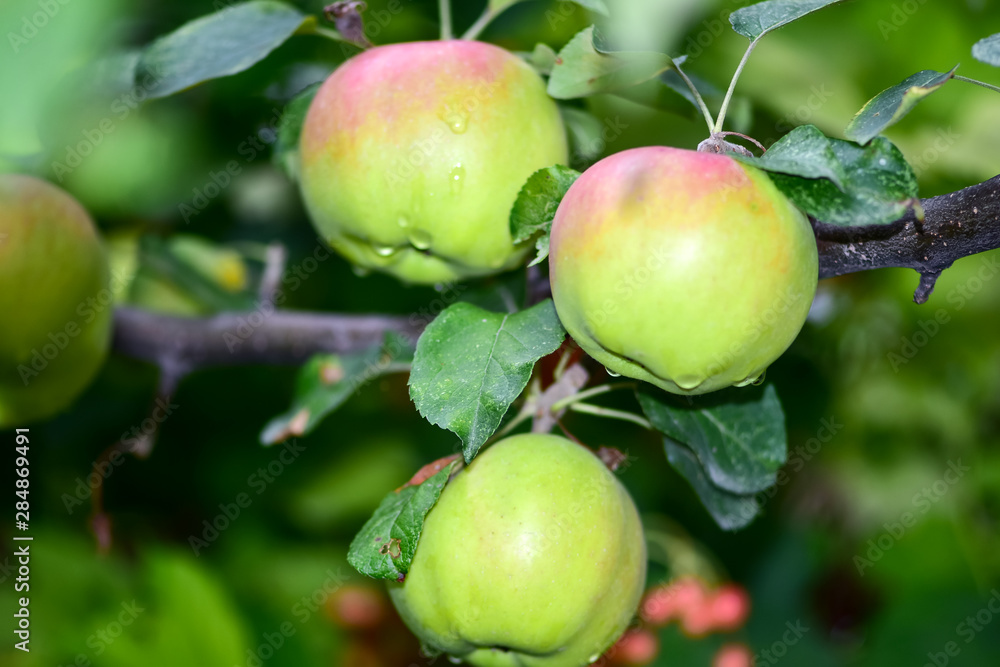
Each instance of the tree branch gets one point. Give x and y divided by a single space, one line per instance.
179 345
955 225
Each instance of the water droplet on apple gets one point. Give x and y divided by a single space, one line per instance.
612 373
688 381
593 658
420 239
385 250
403 222
457 178
457 121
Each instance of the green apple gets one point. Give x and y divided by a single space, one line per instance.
412 156
55 300
534 556
687 270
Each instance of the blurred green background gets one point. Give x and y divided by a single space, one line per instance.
882 405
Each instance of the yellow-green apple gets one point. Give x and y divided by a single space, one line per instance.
684 269
533 557
412 156
54 297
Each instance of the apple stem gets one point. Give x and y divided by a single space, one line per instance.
697 96
732 86
593 391
589 409
476 28
444 10
978 83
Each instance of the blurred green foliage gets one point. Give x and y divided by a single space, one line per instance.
880 395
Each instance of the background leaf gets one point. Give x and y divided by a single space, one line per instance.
889 106
471 364
730 511
286 153
987 50
326 381
757 20
582 70
876 184
221 44
384 547
584 130
738 434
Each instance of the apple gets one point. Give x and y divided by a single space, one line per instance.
684 269
54 296
412 156
533 556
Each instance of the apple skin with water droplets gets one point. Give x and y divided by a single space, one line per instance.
534 556
412 155
688 270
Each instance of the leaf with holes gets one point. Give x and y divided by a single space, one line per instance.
217 45
730 511
737 434
471 364
384 547
889 106
757 20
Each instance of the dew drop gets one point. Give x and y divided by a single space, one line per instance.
420 239
612 373
456 178
403 222
385 250
457 121
688 381
453 660
593 658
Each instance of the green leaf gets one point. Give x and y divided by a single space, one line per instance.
217 45
286 153
543 58
839 182
384 547
582 69
757 20
536 204
471 364
326 381
730 511
987 50
738 434
889 106
804 152
584 130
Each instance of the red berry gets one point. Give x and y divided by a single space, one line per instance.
636 647
730 606
733 655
